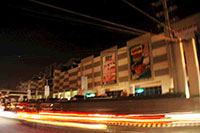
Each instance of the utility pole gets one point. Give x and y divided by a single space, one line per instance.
165 13
167 21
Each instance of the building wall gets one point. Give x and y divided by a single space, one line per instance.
97 74
167 69
56 76
73 78
123 72
79 77
92 68
161 62
66 82
88 70
123 69
61 82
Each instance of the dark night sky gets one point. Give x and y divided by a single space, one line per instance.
33 36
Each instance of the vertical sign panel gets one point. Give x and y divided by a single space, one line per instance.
109 68
140 65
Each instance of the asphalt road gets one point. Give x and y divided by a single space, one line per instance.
8 125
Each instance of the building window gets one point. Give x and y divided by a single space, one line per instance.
114 94
150 91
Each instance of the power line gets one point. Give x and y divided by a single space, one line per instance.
90 17
149 16
85 22
75 20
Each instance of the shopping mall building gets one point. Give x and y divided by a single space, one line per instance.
147 65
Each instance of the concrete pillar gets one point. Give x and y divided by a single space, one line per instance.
181 85
166 83
192 65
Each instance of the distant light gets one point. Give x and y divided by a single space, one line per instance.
139 90
7 114
90 95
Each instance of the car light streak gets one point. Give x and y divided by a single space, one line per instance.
107 119
139 120
184 116
70 124
8 114
139 116
90 119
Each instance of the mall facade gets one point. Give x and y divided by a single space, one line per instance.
147 65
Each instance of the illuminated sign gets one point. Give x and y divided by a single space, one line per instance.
139 90
90 94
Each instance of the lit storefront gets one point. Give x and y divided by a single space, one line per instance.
89 94
74 93
39 97
61 95
55 95
67 95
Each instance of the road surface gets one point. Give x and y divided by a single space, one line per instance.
8 125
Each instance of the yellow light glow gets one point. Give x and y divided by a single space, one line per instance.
89 118
195 53
196 58
71 124
7 114
187 93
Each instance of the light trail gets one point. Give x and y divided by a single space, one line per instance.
8 114
80 118
70 124
99 121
